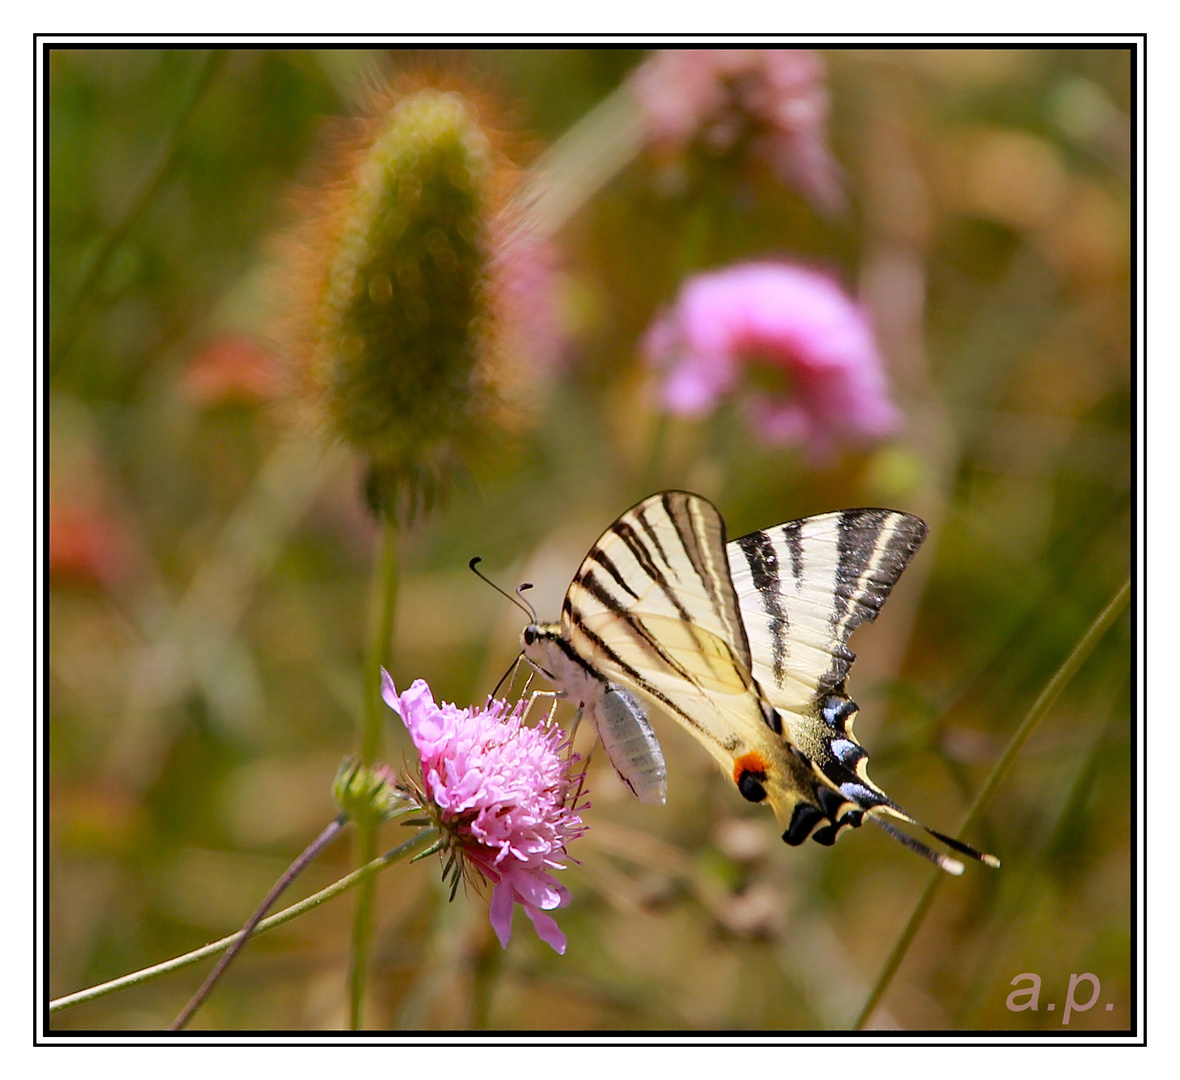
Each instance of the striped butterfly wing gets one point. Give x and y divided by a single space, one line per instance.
803 588
652 608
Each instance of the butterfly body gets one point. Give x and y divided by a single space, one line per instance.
619 718
743 644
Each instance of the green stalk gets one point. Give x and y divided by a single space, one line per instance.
1041 706
351 881
292 872
62 341
384 605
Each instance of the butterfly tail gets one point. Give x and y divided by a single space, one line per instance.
893 810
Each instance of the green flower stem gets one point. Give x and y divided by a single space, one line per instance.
657 450
357 877
384 604
66 335
289 875
1041 706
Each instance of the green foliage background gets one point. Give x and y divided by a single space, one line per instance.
205 683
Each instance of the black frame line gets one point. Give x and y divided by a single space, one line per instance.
1136 1035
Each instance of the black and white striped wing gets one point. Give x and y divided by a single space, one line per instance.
652 607
804 586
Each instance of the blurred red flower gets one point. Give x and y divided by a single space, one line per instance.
86 547
231 370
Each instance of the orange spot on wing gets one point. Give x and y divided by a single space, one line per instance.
753 762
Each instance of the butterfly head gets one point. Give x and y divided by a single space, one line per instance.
541 645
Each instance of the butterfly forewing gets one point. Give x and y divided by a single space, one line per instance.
653 607
804 586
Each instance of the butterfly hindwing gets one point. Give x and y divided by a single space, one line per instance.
803 587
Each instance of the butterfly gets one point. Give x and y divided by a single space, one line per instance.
744 644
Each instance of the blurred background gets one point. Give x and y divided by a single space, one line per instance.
210 559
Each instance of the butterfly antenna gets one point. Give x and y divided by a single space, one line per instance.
519 592
526 608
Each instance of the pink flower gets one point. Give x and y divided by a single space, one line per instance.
502 796
772 100
526 272
787 323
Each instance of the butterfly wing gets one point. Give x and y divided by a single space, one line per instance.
803 587
745 646
653 608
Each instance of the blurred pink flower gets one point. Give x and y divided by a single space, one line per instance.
773 100
786 322
502 796
526 271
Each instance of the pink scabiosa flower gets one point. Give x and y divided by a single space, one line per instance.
771 102
502 797
778 324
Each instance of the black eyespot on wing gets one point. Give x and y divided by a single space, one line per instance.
848 752
861 795
804 818
750 784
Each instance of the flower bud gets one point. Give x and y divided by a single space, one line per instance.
367 795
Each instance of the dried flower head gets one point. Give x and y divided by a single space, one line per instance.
769 103
502 797
791 329
401 292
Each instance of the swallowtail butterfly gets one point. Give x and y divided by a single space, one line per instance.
744 644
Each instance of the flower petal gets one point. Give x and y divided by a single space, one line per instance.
500 792
500 914
389 692
547 930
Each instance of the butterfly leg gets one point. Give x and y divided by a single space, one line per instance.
541 694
